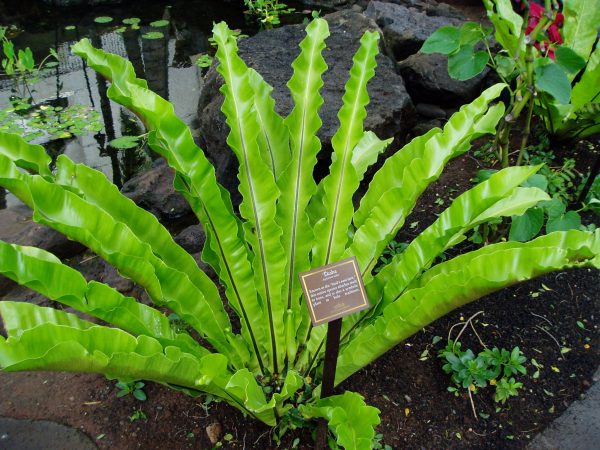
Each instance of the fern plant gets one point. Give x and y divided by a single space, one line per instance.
287 223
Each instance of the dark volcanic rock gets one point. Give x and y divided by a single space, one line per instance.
430 111
390 112
427 80
18 227
191 238
93 267
423 127
433 8
405 29
329 4
153 190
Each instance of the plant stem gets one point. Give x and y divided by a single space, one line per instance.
588 184
527 84
526 132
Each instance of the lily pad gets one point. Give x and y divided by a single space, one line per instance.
153 35
103 19
132 21
159 23
125 142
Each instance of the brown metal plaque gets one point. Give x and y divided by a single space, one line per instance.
334 291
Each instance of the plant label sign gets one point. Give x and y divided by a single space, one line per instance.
334 291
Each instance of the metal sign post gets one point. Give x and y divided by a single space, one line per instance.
331 293
332 347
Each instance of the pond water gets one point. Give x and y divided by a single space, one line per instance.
167 63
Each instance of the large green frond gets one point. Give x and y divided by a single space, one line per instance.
258 189
195 179
498 196
331 231
25 155
55 340
398 184
274 137
352 421
462 280
44 273
366 152
70 214
582 21
296 183
96 189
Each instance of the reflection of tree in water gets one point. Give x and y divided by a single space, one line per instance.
136 159
155 54
109 126
189 43
54 148
131 40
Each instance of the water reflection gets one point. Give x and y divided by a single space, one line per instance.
82 86
164 62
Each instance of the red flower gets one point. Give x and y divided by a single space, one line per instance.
554 35
536 12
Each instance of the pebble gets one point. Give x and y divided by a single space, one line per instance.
214 431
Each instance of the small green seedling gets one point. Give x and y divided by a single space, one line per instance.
138 414
490 367
379 444
506 388
131 387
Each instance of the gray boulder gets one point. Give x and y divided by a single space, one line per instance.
329 4
390 112
427 81
433 8
93 267
18 227
405 29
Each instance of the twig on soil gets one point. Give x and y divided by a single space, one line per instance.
543 318
477 334
465 325
179 432
244 441
474 159
260 437
88 259
553 338
475 432
472 404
